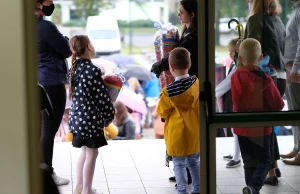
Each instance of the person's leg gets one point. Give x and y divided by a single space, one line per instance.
181 174
248 158
50 126
79 171
193 164
293 99
261 147
236 149
281 85
89 169
235 161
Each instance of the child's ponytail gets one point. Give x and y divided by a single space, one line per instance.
72 71
78 46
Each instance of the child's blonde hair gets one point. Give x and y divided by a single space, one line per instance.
78 45
233 42
250 51
180 58
133 83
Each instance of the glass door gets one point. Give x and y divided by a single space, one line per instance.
211 31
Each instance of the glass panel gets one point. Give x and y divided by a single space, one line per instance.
239 157
251 90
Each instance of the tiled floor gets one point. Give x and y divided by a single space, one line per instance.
137 167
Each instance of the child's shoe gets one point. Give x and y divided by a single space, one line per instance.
233 164
247 190
229 157
273 180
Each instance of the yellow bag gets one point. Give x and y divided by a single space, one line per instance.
112 131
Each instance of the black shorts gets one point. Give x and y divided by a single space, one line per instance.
95 142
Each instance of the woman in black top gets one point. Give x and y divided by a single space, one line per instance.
52 69
265 26
189 40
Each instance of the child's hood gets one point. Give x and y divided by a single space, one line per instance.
189 98
255 76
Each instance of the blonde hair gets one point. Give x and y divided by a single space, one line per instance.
250 51
181 58
271 7
233 42
133 83
78 45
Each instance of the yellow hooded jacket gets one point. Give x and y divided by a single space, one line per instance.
179 106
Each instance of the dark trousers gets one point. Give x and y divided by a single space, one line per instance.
274 148
50 126
257 159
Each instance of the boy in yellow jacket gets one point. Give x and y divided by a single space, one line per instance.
179 106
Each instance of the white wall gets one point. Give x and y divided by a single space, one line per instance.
13 133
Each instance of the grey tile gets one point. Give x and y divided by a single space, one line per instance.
127 170
123 177
161 190
282 187
127 191
231 189
158 184
231 182
125 185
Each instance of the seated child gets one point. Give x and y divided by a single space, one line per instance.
253 90
179 106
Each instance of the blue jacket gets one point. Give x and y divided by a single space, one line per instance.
152 88
53 49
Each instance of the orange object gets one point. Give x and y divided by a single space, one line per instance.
69 136
112 131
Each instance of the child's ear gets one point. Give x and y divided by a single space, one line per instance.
89 47
261 57
172 67
240 59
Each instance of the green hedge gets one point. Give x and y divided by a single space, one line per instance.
121 23
75 23
136 24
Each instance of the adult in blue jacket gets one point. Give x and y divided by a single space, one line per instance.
53 49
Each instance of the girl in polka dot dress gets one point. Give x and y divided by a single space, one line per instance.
91 111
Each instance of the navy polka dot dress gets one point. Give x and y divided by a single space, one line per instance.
91 106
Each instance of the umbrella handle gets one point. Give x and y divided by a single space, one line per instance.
237 22
241 32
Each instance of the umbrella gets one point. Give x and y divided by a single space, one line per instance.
103 64
132 100
121 59
139 72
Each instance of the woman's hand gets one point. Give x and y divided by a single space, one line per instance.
294 77
38 13
107 124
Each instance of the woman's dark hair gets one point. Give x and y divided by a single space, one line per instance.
121 113
191 6
78 46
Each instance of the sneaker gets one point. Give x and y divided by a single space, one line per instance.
229 157
233 164
59 180
247 190
172 179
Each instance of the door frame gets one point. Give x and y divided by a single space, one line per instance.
209 120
